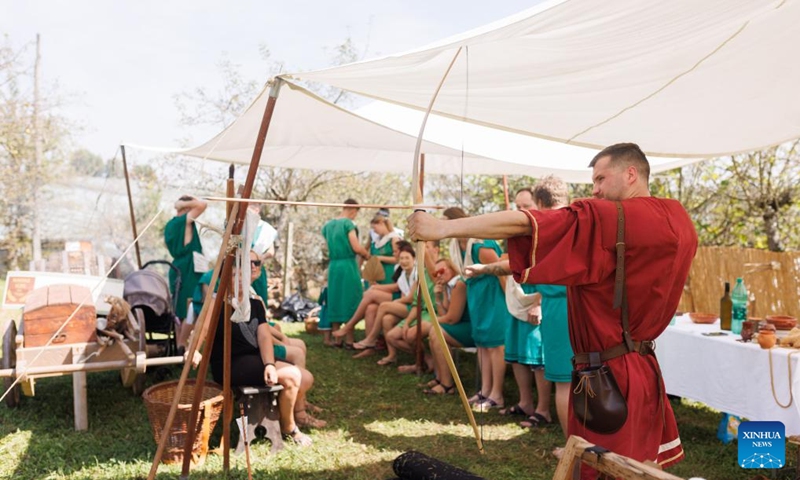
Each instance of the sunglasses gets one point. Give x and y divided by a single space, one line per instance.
255 263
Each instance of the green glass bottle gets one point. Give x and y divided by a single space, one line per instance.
726 309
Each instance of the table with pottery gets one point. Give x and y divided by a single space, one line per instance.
756 379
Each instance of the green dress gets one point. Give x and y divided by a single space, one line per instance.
461 331
388 268
425 315
344 280
555 333
487 303
523 340
183 259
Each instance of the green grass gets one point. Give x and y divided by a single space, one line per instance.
374 415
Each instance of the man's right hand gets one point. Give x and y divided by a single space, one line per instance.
424 226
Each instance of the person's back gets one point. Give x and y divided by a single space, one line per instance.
660 243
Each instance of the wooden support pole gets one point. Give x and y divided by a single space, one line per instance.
227 403
210 326
130 206
227 270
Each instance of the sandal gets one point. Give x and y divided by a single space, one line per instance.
430 384
477 398
387 361
485 406
362 346
298 438
304 419
537 420
348 346
513 411
440 389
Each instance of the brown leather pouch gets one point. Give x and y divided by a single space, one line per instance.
596 399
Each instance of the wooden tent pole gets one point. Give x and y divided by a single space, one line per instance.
130 206
419 350
227 403
228 270
202 326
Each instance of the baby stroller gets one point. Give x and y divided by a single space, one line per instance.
148 292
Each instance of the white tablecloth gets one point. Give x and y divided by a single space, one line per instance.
728 375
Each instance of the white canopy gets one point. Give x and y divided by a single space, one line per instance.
682 78
309 132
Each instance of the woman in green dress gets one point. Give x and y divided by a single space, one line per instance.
385 249
344 279
182 240
488 314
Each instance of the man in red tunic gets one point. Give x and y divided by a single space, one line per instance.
575 246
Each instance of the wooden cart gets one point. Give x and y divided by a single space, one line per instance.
75 351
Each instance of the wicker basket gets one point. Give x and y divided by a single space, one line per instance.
158 400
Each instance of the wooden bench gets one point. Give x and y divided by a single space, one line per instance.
260 405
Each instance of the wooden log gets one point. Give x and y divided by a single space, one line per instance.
608 463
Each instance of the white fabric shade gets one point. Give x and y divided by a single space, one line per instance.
309 132
683 78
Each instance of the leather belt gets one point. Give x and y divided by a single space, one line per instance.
595 359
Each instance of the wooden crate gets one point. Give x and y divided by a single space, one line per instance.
47 308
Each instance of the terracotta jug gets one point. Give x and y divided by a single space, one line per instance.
749 328
766 338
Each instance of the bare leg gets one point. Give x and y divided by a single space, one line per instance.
497 370
543 388
370 296
301 416
441 369
393 339
296 356
395 310
524 378
562 404
290 378
411 340
369 317
485 365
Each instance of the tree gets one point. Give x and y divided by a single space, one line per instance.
84 162
18 168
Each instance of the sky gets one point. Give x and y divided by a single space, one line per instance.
118 64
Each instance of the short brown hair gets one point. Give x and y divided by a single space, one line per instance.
454 213
627 155
550 191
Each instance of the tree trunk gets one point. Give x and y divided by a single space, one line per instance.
771 230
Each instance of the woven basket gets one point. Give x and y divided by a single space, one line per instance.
158 400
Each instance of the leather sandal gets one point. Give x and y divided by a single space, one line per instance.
304 419
440 389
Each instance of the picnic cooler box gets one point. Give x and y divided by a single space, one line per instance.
47 308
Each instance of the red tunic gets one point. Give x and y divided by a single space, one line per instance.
575 246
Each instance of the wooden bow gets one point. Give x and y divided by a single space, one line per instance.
420 249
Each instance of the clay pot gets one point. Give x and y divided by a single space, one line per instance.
767 338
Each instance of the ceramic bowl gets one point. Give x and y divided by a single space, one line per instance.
782 322
703 318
